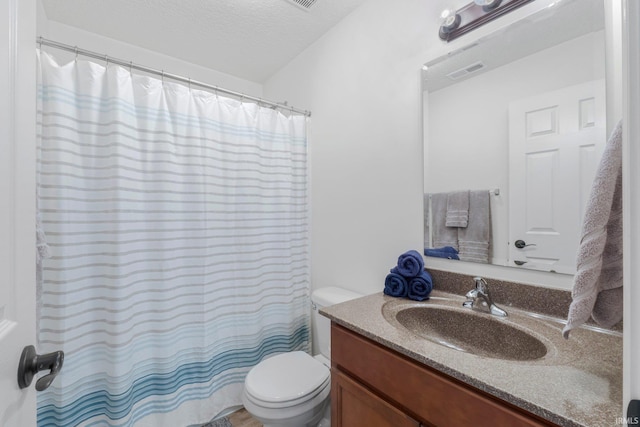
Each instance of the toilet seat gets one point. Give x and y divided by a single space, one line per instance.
286 380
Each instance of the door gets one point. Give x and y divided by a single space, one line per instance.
556 140
17 206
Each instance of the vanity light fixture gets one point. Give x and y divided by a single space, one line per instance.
475 14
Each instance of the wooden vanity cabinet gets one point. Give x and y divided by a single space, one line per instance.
372 385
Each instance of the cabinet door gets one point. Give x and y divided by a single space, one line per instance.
432 397
355 406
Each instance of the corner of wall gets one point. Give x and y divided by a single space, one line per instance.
42 21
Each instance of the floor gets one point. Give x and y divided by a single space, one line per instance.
241 418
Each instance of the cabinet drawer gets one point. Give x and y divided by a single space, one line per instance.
422 392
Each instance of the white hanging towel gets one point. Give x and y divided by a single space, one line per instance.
597 285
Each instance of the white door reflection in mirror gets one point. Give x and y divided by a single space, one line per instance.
555 142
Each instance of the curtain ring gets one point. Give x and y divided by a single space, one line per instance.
40 42
76 51
162 76
189 83
106 61
130 67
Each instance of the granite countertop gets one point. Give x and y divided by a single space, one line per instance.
578 382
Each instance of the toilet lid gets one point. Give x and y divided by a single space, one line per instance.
286 377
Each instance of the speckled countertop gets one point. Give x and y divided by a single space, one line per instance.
578 382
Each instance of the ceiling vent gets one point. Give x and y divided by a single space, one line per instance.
465 71
303 4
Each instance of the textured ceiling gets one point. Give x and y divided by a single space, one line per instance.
251 39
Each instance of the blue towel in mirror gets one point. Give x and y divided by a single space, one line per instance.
448 252
395 285
410 264
420 287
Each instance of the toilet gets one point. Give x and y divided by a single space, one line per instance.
292 389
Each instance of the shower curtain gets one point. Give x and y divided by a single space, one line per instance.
177 223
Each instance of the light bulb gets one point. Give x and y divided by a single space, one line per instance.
450 20
488 5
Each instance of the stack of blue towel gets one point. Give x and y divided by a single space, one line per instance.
409 278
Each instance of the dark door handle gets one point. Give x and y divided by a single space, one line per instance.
522 244
31 363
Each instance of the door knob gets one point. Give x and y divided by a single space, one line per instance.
522 244
31 363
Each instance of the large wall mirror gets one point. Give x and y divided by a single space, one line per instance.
514 127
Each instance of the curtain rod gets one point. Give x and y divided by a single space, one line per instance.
46 42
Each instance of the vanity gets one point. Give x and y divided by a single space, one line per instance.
397 362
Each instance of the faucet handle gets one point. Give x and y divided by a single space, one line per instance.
481 284
472 294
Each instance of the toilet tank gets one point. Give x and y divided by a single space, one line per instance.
325 297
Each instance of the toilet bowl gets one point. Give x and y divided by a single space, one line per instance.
288 390
292 389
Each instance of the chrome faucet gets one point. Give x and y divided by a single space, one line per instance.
481 294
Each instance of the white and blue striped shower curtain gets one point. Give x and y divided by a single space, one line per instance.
177 221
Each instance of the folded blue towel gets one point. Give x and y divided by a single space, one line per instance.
443 252
420 287
410 263
395 285
449 249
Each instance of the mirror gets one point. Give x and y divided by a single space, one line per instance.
514 125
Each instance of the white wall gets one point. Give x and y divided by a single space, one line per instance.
363 89
128 52
467 127
361 81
